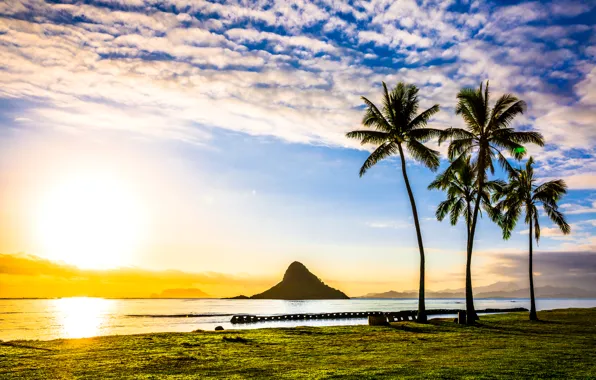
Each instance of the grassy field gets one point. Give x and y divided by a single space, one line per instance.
562 344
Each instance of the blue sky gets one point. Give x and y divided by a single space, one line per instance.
227 119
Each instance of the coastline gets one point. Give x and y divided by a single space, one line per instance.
501 345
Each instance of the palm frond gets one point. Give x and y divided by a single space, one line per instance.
470 106
503 118
383 151
424 134
504 162
373 118
455 134
422 119
423 154
557 218
410 100
368 137
550 191
515 150
388 105
457 210
443 208
536 224
460 146
525 137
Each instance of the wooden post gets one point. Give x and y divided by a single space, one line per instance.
461 317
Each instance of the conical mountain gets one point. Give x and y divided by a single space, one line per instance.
300 284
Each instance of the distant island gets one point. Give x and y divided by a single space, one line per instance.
299 283
181 293
496 290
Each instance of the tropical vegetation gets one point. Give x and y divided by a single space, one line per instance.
487 136
523 194
394 128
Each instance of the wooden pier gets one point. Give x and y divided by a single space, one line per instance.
406 315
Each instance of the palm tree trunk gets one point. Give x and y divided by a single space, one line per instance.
533 316
421 317
470 311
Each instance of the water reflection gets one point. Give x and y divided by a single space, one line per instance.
86 317
82 317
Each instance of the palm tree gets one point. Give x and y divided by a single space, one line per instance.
486 134
522 193
460 182
394 128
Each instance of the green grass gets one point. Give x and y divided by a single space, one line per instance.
562 344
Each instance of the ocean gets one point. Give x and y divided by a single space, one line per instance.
46 319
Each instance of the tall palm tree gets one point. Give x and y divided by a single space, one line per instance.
394 128
486 134
460 181
521 193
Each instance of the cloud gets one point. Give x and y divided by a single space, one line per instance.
560 269
283 42
24 275
574 208
392 224
176 68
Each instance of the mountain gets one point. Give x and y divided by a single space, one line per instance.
541 292
496 290
181 293
300 284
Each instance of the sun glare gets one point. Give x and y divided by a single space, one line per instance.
82 317
93 222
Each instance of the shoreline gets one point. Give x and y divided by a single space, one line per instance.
561 345
443 317
288 300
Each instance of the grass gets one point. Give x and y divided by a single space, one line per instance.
562 344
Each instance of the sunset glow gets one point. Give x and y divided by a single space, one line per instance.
91 221
81 317
203 143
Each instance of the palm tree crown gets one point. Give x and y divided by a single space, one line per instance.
488 131
396 125
460 183
522 193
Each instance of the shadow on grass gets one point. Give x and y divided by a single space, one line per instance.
415 327
26 346
236 339
187 344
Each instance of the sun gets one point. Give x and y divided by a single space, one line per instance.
92 221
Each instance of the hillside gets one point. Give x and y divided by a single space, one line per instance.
300 284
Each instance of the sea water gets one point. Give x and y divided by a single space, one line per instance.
86 317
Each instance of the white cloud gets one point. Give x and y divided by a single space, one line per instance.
392 224
173 70
574 208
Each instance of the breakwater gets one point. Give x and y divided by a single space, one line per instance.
406 315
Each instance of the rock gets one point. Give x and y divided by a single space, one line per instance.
240 297
219 328
300 284
377 320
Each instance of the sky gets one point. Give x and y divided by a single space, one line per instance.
208 138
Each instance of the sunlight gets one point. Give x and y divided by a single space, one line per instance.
91 221
82 317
